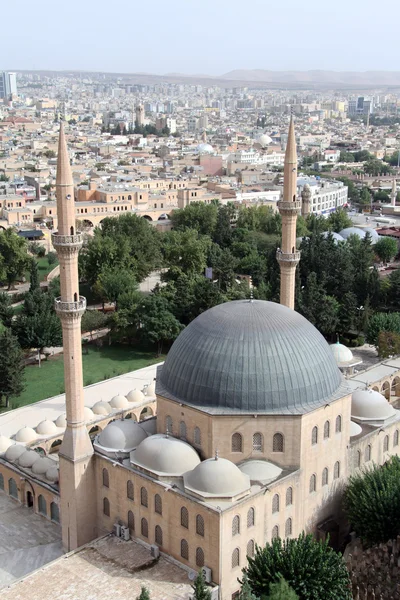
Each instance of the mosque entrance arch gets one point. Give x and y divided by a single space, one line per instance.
29 499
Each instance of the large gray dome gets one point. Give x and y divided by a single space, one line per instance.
251 357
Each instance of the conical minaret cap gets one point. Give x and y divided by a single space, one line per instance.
64 174
291 154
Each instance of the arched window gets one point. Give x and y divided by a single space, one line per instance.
129 197
257 442
199 525
106 479
289 496
251 517
12 488
182 430
1 481
158 535
199 557
314 436
130 490
197 436
278 443
143 497
184 517
42 505
313 483
168 425
336 470
54 512
275 532
131 521
338 425
235 558
288 527
325 476
106 507
275 503
386 443
327 427
368 453
237 443
144 528
158 504
396 438
184 550
250 548
236 525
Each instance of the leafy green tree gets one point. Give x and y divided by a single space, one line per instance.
223 228
11 366
393 291
6 311
311 568
201 591
372 502
245 591
34 277
338 220
348 313
92 320
386 248
186 250
377 167
144 594
365 197
197 215
16 260
379 322
388 344
281 591
112 284
156 322
52 258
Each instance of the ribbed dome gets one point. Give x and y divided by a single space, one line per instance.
135 396
46 428
61 421
341 353
217 477
368 405
14 452
5 443
251 357
41 466
122 435
52 474
336 236
165 455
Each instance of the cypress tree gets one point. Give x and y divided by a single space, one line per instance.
144 594
201 591
11 366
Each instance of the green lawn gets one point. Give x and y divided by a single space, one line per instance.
43 267
98 365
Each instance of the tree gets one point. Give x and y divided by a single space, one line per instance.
372 502
379 322
201 591
223 229
156 322
11 366
6 311
112 284
197 215
51 258
186 250
365 197
144 594
281 591
34 277
313 569
245 591
92 320
388 344
338 220
386 249
16 260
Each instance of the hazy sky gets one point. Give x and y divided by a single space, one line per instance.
203 36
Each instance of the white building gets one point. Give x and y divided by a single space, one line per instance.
326 196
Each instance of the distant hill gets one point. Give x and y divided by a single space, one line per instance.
341 77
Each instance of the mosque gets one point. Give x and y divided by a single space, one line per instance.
250 432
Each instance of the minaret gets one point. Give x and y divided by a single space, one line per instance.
393 195
139 115
305 200
287 256
76 468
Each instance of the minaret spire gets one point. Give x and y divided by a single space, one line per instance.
289 207
76 468
393 195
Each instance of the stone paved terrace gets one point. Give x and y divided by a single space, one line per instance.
27 541
106 568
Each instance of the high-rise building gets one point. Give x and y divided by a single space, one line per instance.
8 84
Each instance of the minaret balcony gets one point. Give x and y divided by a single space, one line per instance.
67 241
291 206
70 309
288 257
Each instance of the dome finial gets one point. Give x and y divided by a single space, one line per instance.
167 431
216 453
251 289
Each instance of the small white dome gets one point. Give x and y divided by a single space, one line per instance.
119 402
14 452
263 139
26 435
341 353
217 477
260 470
41 466
101 408
61 421
46 428
28 458
88 414
355 429
5 443
205 149
368 405
135 396
165 455
122 435
151 389
52 474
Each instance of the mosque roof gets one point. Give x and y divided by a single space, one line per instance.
217 477
123 434
165 455
251 356
369 405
